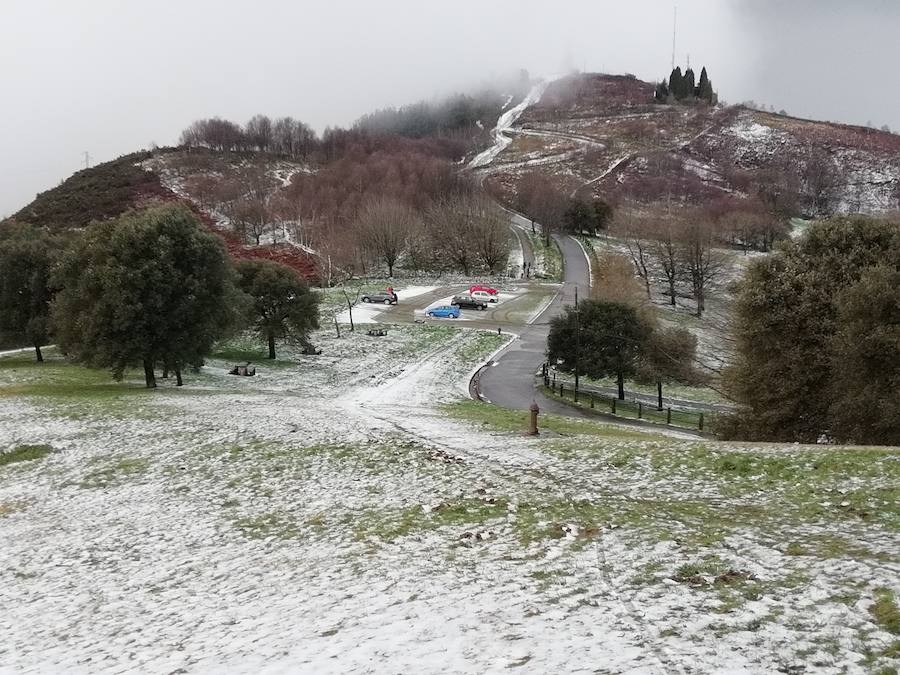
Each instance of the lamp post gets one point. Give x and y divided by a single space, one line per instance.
577 342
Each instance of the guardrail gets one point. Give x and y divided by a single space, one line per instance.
591 398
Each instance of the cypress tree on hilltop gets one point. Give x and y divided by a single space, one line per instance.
676 83
704 88
690 83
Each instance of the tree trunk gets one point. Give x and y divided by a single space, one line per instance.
659 401
149 376
672 293
271 345
620 380
37 353
165 373
178 381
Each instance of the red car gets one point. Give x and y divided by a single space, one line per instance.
486 289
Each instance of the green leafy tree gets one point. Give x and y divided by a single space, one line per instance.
790 308
865 359
283 306
150 287
26 256
603 339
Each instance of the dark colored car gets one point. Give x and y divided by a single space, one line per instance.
468 302
380 296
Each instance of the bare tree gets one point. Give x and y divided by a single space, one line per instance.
701 261
666 241
638 231
490 233
384 225
448 221
259 132
821 177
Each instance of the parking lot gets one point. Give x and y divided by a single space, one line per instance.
517 304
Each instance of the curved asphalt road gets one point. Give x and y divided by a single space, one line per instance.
511 382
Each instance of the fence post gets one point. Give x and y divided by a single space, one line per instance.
668 416
640 410
554 379
614 405
701 422
561 390
592 400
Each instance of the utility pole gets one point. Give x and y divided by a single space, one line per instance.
577 342
87 159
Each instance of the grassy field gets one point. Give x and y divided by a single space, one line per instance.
358 493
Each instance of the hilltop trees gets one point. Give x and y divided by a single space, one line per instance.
816 334
683 87
26 256
283 306
151 287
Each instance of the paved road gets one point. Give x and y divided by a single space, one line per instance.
510 383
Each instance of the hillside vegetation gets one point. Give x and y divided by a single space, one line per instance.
608 137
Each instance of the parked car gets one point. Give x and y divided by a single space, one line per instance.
468 302
484 296
380 296
481 287
443 312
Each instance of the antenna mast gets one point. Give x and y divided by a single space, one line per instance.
674 29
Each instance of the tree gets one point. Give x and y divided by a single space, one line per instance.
865 359
384 225
802 333
676 84
662 91
598 338
701 261
666 248
149 287
258 132
705 89
490 235
26 256
669 356
283 306
690 84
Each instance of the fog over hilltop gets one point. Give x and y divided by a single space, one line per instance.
109 77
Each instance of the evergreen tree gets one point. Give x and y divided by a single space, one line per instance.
690 84
799 356
865 359
662 92
150 287
704 88
603 338
283 305
676 83
26 256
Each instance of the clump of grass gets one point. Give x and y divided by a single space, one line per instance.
115 473
24 453
885 611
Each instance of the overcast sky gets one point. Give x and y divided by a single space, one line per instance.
112 76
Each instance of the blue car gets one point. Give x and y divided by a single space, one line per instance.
443 312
